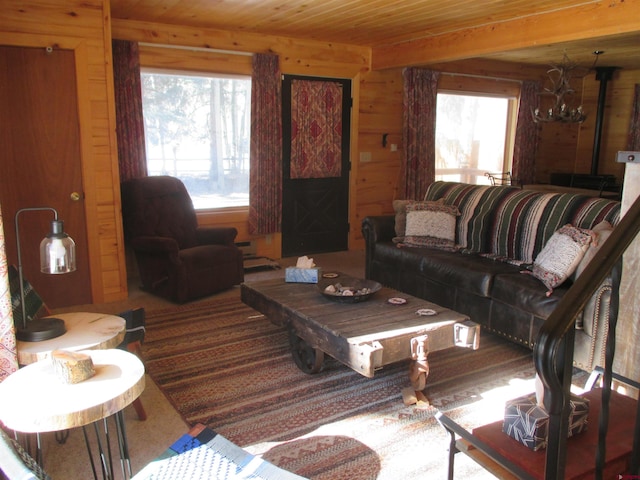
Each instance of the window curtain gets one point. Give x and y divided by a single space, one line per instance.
526 139
420 89
8 352
265 177
633 141
132 158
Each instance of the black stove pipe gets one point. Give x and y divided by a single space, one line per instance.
604 74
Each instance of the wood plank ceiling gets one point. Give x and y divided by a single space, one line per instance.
577 27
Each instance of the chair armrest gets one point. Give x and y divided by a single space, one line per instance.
216 235
155 244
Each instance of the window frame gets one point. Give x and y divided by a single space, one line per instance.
471 85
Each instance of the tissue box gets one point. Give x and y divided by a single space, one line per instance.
301 275
528 423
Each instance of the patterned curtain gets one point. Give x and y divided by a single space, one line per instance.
316 129
8 355
633 142
526 141
265 177
132 158
419 132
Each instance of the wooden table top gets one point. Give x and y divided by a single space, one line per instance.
33 399
85 331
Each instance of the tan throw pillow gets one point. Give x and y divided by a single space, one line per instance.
400 209
561 255
601 232
430 224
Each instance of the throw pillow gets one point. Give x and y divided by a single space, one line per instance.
561 255
430 224
400 209
601 233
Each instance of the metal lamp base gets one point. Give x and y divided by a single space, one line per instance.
41 329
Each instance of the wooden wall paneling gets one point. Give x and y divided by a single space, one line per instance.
297 56
380 112
84 27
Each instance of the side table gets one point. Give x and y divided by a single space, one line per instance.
34 400
85 331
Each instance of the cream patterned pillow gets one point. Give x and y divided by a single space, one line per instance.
430 224
561 255
601 233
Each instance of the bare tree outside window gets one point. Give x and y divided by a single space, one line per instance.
197 128
471 133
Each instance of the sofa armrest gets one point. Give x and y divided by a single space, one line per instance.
593 327
376 229
216 235
381 228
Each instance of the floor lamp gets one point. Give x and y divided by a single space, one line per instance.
57 256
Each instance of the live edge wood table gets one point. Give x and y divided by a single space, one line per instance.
365 335
34 400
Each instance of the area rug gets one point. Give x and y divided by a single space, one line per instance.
223 364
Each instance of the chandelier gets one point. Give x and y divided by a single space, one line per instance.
560 75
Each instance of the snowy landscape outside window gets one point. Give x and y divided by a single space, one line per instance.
472 137
197 129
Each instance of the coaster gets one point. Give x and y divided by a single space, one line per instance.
426 312
397 301
330 275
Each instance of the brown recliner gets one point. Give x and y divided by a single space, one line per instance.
176 258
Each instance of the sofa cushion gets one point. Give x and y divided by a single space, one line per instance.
526 293
561 256
400 210
467 272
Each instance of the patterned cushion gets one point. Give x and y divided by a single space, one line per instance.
561 255
430 224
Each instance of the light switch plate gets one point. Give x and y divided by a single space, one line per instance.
628 157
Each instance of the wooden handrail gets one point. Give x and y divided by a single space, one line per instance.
553 351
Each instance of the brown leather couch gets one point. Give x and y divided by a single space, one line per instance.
480 280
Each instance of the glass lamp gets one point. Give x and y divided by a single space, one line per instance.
57 256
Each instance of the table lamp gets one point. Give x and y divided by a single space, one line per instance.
57 256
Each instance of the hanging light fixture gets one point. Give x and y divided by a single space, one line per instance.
560 76
57 256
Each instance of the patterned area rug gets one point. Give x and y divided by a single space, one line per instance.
225 365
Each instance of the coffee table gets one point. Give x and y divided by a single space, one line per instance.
364 336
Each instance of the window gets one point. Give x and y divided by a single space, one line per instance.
473 136
197 128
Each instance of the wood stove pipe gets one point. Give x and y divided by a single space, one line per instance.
604 74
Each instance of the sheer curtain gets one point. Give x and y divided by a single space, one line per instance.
526 140
420 89
265 177
132 159
8 353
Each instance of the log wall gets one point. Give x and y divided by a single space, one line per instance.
377 109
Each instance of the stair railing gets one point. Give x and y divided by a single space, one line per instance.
553 352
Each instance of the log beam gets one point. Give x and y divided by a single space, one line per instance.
593 20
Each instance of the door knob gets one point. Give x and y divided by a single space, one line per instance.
75 196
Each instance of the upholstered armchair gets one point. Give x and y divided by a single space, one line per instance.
177 259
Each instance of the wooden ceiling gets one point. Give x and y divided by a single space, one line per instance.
528 31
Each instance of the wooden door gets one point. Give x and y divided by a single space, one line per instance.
315 195
40 164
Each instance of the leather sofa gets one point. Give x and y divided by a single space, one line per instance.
498 234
